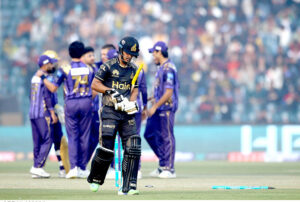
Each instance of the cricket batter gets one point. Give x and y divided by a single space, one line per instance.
41 115
119 106
139 116
77 78
159 131
111 53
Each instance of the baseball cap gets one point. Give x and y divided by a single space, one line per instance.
44 59
159 46
112 53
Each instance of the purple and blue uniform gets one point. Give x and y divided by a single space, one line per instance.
141 99
94 139
57 128
159 131
77 78
142 102
40 104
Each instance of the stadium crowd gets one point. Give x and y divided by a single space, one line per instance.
238 61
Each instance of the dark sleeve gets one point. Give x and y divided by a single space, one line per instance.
143 87
102 72
48 100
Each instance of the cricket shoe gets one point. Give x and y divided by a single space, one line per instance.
62 174
130 192
94 187
83 173
36 176
156 172
111 174
73 173
39 173
167 174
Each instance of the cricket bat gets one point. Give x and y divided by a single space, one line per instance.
64 153
136 76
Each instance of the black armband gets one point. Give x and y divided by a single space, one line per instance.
43 77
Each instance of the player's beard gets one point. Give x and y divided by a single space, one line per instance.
51 71
54 67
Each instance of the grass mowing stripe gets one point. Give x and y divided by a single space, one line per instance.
194 181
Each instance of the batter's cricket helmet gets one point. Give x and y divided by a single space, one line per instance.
130 45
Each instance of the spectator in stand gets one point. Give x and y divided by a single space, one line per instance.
229 40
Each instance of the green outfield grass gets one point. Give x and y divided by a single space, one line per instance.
194 181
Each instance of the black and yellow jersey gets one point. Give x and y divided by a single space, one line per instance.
112 75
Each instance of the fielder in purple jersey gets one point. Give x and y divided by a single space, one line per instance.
142 103
77 78
40 114
57 133
159 131
88 58
141 100
106 54
57 128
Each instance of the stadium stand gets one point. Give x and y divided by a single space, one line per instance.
238 61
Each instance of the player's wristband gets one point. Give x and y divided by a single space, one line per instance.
43 77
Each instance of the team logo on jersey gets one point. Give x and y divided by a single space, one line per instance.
133 48
102 67
131 76
115 73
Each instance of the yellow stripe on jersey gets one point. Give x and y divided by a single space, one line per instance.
66 68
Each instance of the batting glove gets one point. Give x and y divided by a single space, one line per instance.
116 97
131 107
